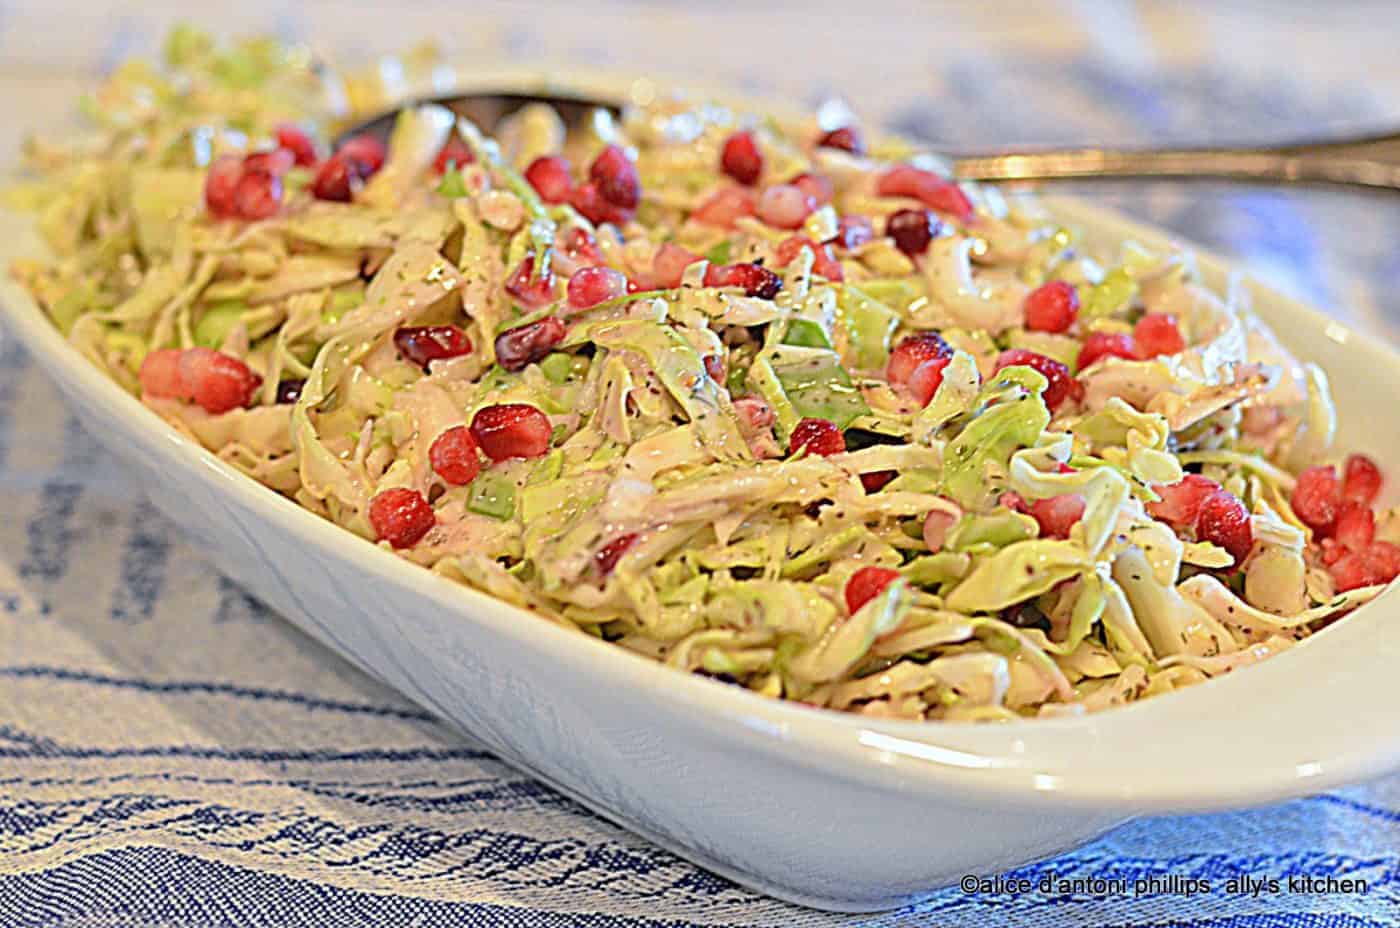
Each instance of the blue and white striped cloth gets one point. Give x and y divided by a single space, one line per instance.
172 754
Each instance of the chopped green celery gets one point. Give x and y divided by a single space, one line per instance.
549 468
493 495
996 529
1109 297
217 321
560 366
719 253
129 347
452 185
896 292
937 569
736 379
870 324
817 385
71 306
159 199
805 333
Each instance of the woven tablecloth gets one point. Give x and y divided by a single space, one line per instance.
172 753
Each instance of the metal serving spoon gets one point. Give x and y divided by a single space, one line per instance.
1365 161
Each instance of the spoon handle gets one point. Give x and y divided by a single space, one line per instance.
1371 161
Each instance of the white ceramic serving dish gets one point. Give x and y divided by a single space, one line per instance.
830 810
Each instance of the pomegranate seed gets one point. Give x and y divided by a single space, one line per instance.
220 184
299 143
1052 307
593 285
1061 386
423 344
1361 479
528 290
1157 334
511 430
818 436
401 517
550 176
936 525
784 206
258 195
617 178
1382 561
714 367
741 158
926 379
609 554
590 202
824 263
1349 572
1105 345
581 247
289 389
1014 501
365 150
1180 504
454 456
912 351
216 381
1224 521
912 230
756 279
1332 551
1056 515
160 375
1316 497
724 206
523 346
755 415
276 162
867 583
933 191
815 186
455 153
853 232
338 179
846 138
1355 526
668 265
875 481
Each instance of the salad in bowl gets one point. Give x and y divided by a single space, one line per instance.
772 402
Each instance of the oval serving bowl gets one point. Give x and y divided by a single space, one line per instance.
826 809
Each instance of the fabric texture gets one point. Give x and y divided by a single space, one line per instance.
173 754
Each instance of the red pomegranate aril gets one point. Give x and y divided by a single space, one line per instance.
617 178
724 206
1157 334
714 367
875 481
455 456
581 247
912 351
1361 479
818 436
551 177
1224 521
756 279
160 374
1331 551
258 195
220 184
401 517
1355 525
295 140
529 290
1060 385
423 344
1382 561
1180 503
926 379
784 206
936 526
596 208
754 413
935 192
365 150
846 138
1105 345
593 285
511 430
609 554
1056 515
824 263
866 584
853 232
1316 497
337 179
1052 307
455 153
276 162
1349 572
523 346
741 159
668 265
215 381
1014 501
912 230
815 186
